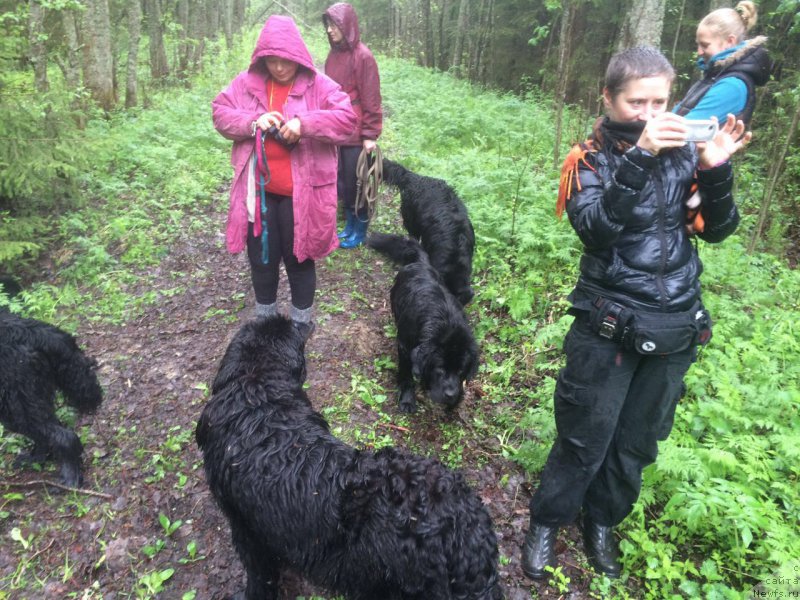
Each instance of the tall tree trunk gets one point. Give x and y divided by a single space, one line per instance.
775 170
184 45
643 25
678 31
159 67
443 45
98 68
565 50
72 69
482 41
225 7
213 18
428 32
461 32
134 33
238 15
200 30
38 49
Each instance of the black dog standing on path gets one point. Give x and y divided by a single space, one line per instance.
370 526
36 360
435 215
434 341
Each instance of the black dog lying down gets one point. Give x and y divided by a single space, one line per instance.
434 340
371 526
435 215
36 359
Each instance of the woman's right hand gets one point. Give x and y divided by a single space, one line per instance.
666 130
269 119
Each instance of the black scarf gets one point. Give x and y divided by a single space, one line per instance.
619 135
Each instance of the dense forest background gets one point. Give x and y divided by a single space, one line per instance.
110 169
66 62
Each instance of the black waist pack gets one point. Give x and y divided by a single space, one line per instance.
650 332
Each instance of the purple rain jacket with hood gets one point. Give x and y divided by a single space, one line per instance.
326 118
351 64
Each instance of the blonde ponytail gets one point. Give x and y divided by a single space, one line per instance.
748 13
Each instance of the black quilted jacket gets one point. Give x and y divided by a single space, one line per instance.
630 215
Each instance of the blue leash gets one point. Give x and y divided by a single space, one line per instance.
262 184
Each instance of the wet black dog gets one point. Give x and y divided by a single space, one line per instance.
36 360
434 341
435 215
384 525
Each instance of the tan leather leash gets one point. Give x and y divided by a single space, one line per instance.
369 175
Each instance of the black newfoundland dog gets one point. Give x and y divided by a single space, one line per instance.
370 526
434 341
435 215
36 360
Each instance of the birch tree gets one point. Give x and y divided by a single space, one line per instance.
38 50
644 22
98 66
134 33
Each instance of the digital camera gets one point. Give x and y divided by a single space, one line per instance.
275 132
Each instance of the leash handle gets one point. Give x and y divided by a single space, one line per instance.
262 188
369 175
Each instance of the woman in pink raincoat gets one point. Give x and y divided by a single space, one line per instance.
285 120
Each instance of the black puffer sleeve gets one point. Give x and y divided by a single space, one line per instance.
718 208
599 210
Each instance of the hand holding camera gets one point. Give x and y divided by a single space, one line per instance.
273 124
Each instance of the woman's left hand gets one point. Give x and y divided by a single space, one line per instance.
730 138
291 130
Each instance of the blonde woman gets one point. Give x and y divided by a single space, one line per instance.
733 66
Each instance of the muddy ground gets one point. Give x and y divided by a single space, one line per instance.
142 462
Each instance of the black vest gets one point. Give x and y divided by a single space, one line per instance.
751 65
699 89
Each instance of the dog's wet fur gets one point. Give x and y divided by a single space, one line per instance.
434 215
435 344
36 360
382 525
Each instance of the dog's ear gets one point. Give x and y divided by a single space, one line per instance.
419 356
471 361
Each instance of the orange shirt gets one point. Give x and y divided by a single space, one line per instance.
278 156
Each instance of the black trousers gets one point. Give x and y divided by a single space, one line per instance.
611 408
280 242
347 181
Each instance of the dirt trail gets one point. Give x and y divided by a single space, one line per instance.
140 448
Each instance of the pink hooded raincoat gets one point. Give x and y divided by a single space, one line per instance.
327 119
352 65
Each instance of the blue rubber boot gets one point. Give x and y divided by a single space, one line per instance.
358 235
350 220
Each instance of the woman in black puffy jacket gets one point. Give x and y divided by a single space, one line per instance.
638 315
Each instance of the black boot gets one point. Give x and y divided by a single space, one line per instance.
602 549
539 551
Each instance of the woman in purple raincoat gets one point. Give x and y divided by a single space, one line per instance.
285 119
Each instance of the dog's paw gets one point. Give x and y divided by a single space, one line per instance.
407 402
26 459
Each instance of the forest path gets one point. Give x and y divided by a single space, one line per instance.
139 449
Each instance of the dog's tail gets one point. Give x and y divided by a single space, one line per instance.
394 173
402 250
74 372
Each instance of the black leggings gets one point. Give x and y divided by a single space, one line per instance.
280 242
347 181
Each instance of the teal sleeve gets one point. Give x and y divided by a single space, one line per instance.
728 95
